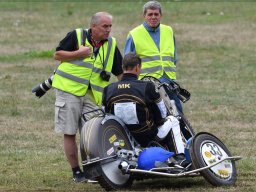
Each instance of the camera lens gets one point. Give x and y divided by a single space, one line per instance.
42 88
47 84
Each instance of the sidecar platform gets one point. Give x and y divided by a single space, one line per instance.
180 172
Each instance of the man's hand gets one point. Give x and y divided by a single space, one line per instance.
84 51
81 53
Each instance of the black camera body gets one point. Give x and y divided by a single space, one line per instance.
43 87
104 76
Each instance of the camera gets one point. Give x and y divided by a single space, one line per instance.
43 87
104 76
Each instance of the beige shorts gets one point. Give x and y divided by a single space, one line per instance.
69 110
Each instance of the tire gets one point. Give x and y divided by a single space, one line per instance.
111 178
207 149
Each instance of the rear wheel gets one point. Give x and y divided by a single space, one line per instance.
111 178
207 149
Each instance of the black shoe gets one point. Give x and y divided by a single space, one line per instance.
183 163
180 161
78 177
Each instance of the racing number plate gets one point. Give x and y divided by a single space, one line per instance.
213 153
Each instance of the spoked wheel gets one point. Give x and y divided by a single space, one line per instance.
206 150
111 177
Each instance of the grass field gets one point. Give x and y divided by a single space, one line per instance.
216 51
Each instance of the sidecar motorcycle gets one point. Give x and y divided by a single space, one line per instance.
111 155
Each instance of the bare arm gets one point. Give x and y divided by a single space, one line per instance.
82 52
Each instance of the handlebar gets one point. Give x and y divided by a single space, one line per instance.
172 87
175 88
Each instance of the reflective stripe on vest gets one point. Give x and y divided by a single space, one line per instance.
75 76
155 62
150 70
72 77
97 88
81 63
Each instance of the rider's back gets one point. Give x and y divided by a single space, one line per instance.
135 102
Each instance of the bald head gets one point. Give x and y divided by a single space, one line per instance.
101 24
97 17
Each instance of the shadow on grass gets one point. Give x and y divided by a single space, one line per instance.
168 184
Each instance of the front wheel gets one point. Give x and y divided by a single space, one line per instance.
207 149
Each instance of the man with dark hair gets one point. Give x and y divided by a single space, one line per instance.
140 107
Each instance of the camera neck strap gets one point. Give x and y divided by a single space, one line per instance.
108 53
83 36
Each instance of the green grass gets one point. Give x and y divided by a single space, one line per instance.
216 63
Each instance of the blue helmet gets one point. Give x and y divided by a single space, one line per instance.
150 157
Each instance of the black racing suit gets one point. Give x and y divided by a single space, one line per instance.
145 97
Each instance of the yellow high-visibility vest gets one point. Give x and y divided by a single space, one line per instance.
75 76
155 62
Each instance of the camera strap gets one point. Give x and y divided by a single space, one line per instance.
108 53
83 36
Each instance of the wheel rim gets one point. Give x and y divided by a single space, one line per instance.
111 170
211 153
114 174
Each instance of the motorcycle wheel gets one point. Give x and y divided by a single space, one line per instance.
207 149
111 178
